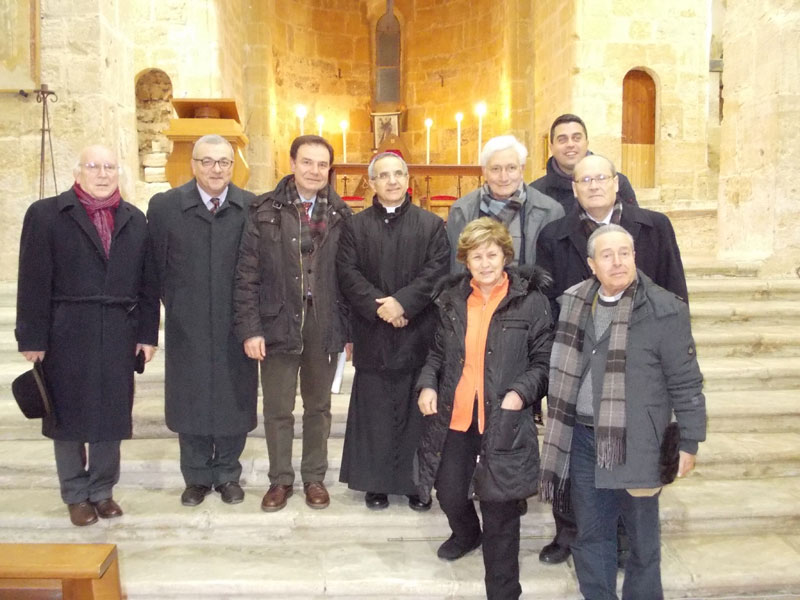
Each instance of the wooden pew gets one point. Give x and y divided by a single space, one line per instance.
78 571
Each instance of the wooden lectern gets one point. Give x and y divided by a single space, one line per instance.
198 117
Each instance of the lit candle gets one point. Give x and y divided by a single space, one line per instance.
459 117
320 121
301 112
480 110
428 123
343 125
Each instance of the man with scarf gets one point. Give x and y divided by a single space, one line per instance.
390 257
85 311
505 198
623 362
561 250
211 387
569 144
289 314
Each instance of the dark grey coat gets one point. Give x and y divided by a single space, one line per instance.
517 357
661 376
87 312
211 385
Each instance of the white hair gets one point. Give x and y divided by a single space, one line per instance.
500 143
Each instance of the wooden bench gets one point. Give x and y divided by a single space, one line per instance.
78 571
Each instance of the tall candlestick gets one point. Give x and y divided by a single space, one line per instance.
480 110
428 123
320 121
459 117
301 112
343 125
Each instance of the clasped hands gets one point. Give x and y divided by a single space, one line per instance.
428 396
391 311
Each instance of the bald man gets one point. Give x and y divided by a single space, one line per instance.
85 311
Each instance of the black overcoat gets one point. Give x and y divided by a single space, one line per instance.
87 312
401 255
211 385
561 251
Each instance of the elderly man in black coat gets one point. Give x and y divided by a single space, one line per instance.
85 311
211 385
390 257
561 250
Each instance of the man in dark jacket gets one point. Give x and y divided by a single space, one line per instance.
569 143
390 257
288 313
562 251
211 385
623 362
85 311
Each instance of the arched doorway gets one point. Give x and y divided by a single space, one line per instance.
639 128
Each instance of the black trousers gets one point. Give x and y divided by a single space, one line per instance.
211 460
81 479
500 519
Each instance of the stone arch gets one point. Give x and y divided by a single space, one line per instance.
153 111
639 127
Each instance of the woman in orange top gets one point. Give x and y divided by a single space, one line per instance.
487 368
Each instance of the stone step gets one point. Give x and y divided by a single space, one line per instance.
692 505
775 312
758 411
741 289
745 374
747 340
703 265
154 463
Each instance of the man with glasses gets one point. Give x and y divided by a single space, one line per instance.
505 198
85 311
569 144
561 250
390 257
210 384
289 314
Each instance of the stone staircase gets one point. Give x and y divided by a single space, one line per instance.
730 530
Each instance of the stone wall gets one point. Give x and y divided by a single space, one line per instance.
759 192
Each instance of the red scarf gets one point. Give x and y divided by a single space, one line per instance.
101 212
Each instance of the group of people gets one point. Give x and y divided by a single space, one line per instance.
563 288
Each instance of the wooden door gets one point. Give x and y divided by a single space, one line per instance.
639 128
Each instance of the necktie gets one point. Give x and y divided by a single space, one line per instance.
307 208
214 205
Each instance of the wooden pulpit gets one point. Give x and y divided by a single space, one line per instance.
198 117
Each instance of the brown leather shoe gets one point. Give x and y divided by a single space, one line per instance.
316 494
82 514
107 509
276 497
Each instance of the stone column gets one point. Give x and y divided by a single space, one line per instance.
760 138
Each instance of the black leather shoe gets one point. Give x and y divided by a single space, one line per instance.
453 548
553 554
414 503
375 501
194 494
522 507
231 492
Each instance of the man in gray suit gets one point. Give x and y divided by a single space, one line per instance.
211 385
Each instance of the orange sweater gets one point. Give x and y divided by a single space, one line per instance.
470 386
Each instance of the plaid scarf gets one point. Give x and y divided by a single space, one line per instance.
313 228
565 379
101 213
501 210
589 225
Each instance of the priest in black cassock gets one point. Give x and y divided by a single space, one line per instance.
390 257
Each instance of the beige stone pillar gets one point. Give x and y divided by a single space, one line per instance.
759 194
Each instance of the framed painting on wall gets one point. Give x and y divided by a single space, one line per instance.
19 45
384 125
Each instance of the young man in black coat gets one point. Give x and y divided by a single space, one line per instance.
85 310
561 251
390 257
569 144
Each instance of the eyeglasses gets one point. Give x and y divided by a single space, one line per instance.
510 169
387 175
601 179
208 163
94 167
